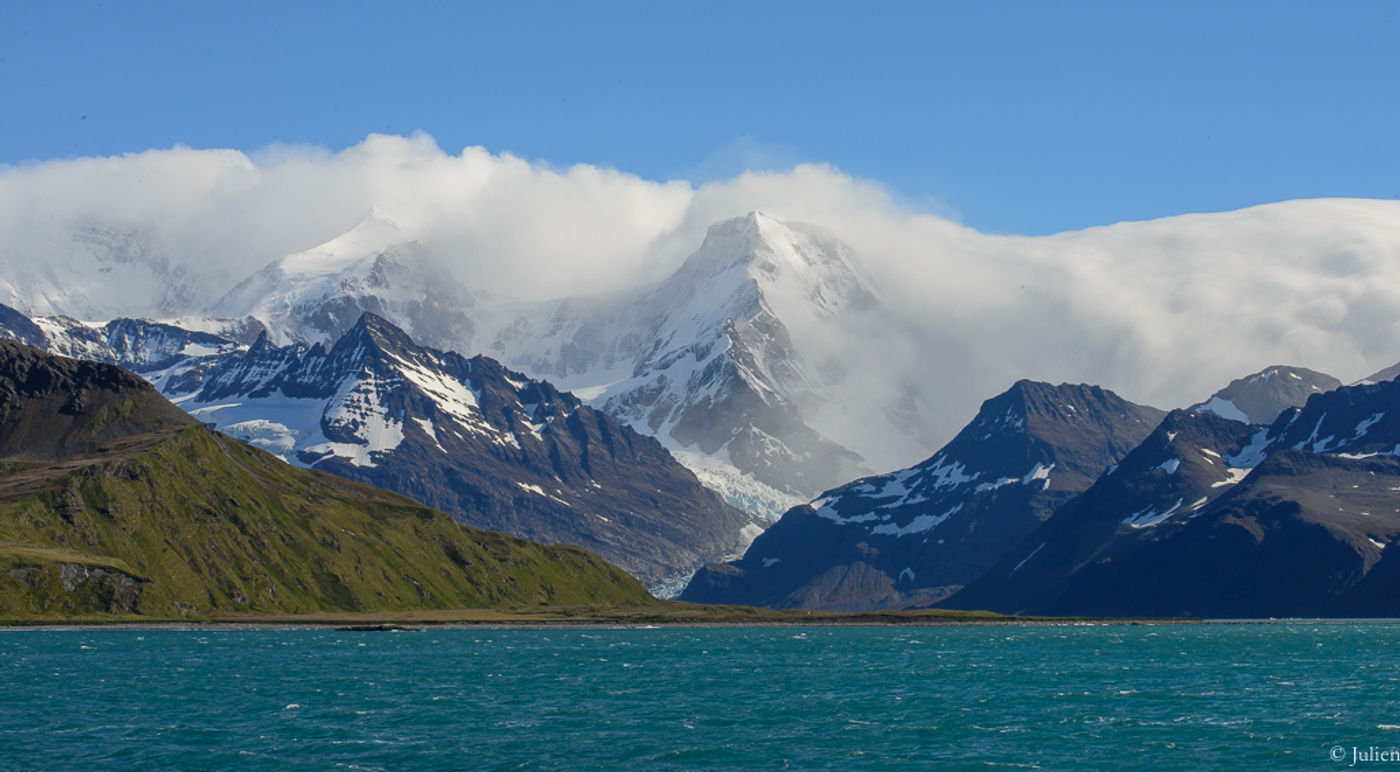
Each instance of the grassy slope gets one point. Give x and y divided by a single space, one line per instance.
191 524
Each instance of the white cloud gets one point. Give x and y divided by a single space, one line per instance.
1163 311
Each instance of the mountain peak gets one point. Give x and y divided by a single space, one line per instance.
1260 397
374 232
757 237
373 323
759 222
375 216
1080 425
1039 398
913 537
383 333
728 243
372 339
318 294
798 268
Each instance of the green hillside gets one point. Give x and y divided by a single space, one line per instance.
180 522
196 522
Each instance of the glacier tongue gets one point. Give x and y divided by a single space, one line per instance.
738 489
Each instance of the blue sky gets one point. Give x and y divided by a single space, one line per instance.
1013 117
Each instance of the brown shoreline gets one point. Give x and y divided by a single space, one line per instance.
662 614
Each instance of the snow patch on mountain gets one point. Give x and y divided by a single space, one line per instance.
1028 557
920 524
1224 408
945 473
1365 426
1233 475
1148 517
1252 454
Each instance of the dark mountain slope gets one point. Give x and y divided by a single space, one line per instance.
915 536
1290 520
52 407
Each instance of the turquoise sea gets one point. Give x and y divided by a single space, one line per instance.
1233 696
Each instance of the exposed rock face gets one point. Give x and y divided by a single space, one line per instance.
916 536
90 589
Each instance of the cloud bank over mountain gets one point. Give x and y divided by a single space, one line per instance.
1163 312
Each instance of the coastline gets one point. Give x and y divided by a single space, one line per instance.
661 614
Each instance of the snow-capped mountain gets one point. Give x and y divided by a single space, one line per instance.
376 267
915 536
493 447
102 271
1259 398
771 362
165 354
727 361
701 361
724 375
490 446
1214 517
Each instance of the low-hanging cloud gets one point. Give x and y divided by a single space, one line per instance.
1163 311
